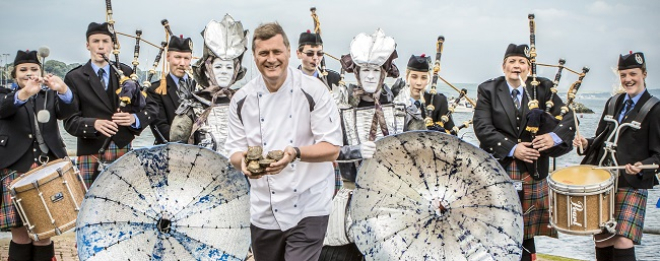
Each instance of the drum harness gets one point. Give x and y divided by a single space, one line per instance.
43 158
610 146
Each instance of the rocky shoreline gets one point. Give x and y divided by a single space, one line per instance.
581 108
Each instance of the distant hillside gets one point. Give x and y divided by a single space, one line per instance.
60 69
604 95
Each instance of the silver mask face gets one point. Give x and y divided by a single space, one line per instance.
224 72
370 78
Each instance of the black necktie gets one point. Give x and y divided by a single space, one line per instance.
421 109
101 73
627 109
183 89
514 94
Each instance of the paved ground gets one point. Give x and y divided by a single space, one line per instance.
65 247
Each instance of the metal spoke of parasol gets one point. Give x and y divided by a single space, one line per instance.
169 202
431 196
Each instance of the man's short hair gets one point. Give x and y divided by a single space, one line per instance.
267 31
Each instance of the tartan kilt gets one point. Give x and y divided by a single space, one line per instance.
9 218
629 211
88 164
535 204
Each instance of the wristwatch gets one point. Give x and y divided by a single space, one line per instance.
297 152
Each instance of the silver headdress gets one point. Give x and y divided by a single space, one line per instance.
374 49
226 39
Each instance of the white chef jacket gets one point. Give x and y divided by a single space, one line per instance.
275 121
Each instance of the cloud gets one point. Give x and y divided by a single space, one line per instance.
603 8
552 13
585 33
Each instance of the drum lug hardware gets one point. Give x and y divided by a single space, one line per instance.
610 226
60 172
35 184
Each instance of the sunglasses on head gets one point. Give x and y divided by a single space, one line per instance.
310 54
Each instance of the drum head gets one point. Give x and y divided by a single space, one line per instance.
41 172
582 175
431 196
168 202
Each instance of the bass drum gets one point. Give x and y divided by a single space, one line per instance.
348 252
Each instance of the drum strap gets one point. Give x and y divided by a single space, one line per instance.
612 106
643 112
646 108
40 139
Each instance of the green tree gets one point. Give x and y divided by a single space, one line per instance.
6 74
56 67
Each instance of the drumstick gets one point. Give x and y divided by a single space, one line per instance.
577 129
651 166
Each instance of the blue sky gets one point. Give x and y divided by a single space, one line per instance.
585 33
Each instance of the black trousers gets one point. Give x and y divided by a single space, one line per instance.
300 243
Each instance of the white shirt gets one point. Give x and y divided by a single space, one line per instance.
275 121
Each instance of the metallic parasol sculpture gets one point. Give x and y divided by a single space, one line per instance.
168 202
431 196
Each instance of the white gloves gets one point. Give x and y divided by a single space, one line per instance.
367 149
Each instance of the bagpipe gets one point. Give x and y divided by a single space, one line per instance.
132 98
430 108
339 93
317 30
131 95
543 121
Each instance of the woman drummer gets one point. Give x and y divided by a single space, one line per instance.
29 137
637 147
418 74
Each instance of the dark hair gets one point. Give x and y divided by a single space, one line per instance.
267 31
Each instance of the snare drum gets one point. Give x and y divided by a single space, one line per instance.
48 198
581 200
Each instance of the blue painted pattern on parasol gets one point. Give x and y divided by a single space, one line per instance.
168 202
